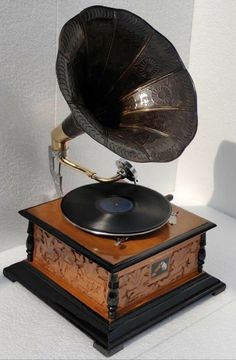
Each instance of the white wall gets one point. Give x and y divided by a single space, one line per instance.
31 105
27 109
207 169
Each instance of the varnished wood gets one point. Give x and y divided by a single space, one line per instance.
137 286
113 295
89 266
104 248
81 277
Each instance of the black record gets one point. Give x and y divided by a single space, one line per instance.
116 209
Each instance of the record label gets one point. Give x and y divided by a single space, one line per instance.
115 204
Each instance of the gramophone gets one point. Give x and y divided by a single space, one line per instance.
115 257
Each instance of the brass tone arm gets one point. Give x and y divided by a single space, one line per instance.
88 172
58 155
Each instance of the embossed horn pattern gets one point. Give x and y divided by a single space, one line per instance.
126 86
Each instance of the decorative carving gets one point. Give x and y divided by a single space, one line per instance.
113 296
74 269
139 282
202 252
30 242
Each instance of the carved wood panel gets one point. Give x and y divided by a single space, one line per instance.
136 284
76 273
146 279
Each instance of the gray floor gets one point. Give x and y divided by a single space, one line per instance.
29 329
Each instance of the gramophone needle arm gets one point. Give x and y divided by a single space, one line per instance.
58 151
87 172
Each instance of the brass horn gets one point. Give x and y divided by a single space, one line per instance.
126 87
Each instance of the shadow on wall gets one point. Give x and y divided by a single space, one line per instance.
224 195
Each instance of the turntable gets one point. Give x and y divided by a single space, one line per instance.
115 257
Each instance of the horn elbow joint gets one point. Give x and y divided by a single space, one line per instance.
59 139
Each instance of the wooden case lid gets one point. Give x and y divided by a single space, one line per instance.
102 249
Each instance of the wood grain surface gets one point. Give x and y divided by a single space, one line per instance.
104 247
81 277
136 285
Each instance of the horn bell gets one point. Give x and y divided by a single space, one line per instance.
126 86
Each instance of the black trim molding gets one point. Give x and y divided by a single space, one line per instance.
30 241
109 337
202 252
113 296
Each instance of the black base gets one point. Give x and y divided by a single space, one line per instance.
110 337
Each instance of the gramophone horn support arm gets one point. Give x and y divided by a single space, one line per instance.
64 160
58 153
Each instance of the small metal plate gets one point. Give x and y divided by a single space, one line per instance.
160 267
